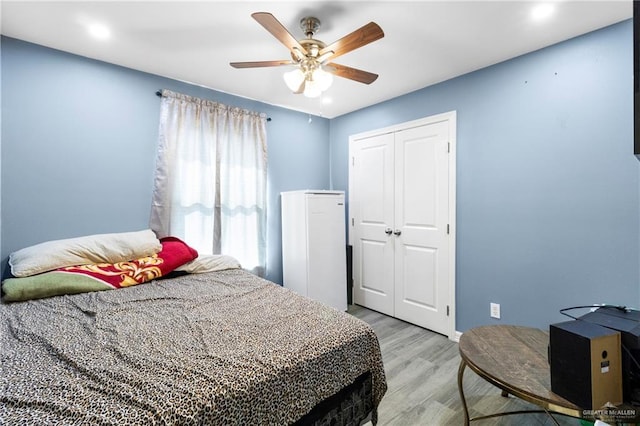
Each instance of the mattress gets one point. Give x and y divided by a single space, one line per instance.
216 348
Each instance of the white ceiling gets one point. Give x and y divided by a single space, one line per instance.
425 42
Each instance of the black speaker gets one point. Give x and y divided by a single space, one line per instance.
586 364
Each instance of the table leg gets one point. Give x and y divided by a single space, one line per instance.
461 390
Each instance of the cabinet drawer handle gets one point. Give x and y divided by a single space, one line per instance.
388 231
397 232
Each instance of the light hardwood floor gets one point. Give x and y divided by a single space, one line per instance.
422 368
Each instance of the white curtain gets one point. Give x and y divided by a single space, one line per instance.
211 178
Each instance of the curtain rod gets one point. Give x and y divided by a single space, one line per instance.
159 94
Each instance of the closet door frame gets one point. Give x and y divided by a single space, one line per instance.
451 117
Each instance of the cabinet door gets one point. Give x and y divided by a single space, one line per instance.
421 215
372 212
326 251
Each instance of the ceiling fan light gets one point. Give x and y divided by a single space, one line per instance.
293 79
312 89
322 78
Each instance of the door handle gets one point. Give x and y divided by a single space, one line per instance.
397 232
388 231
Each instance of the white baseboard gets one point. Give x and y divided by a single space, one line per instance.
456 337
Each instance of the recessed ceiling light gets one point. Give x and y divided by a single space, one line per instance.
327 100
99 31
542 11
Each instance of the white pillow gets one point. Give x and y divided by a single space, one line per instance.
209 263
100 248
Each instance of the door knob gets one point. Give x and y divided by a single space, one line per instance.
397 232
388 231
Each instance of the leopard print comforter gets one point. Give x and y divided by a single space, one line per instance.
222 348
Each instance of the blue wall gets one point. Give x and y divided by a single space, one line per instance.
79 141
547 183
548 186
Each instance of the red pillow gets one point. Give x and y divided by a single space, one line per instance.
175 253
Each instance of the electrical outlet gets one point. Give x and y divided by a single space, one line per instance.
495 310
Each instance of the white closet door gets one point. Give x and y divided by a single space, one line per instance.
372 212
420 227
402 211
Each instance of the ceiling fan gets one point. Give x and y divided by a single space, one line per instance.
313 72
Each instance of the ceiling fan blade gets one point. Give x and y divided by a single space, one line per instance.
271 24
351 73
360 37
259 64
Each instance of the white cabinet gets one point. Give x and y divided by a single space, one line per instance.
314 246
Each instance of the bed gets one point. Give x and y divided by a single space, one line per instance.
220 348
